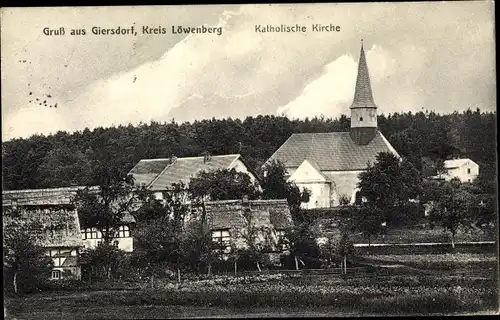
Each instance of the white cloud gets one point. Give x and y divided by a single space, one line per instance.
144 93
243 72
33 119
331 93
326 94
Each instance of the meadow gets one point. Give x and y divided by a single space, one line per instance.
431 290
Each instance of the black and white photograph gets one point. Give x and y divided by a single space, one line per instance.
249 160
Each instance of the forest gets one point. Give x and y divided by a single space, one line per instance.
66 159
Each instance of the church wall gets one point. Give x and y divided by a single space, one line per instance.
320 194
345 183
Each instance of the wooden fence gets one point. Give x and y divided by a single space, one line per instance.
332 271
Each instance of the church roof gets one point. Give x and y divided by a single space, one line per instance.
363 96
332 151
160 174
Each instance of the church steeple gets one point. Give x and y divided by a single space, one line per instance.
363 108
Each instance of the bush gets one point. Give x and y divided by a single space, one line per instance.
105 261
66 285
409 215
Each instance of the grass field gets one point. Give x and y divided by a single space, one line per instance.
436 290
426 235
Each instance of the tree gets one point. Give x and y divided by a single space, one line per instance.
414 135
302 246
368 220
276 186
223 184
344 200
257 241
105 261
64 166
26 265
453 207
105 205
160 229
389 184
338 247
198 247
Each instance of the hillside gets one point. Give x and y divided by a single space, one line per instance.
66 159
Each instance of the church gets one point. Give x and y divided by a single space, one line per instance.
328 164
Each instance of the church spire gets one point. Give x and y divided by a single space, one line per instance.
363 97
363 108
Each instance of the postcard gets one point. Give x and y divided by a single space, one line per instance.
251 160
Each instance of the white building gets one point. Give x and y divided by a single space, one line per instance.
158 175
464 169
328 164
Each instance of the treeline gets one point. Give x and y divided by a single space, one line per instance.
65 159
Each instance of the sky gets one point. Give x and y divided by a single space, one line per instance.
436 56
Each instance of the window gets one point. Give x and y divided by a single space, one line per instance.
222 241
468 171
58 256
91 233
280 236
360 118
123 232
56 275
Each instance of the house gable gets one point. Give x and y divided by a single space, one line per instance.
240 166
308 172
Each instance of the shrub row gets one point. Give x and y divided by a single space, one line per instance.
391 298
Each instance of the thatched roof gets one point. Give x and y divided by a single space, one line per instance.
37 197
47 213
229 214
50 211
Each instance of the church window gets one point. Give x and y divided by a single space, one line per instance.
360 118
468 170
